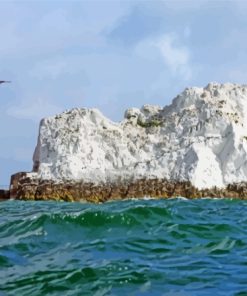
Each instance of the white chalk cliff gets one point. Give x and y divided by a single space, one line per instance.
201 137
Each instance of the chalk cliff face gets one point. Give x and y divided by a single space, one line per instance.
201 137
195 147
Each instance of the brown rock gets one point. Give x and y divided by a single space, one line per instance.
4 194
24 187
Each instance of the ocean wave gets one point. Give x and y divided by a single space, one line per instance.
149 247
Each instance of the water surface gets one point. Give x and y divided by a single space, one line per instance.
148 247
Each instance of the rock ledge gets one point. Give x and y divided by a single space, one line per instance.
26 188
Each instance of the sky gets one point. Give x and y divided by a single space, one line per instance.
109 55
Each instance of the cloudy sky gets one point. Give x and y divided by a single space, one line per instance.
110 55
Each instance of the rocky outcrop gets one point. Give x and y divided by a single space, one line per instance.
30 189
195 147
4 194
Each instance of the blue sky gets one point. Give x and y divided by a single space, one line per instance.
110 55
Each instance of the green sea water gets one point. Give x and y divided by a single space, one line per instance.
135 247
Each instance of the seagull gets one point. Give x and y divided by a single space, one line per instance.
4 81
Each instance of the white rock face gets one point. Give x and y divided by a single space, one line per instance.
201 137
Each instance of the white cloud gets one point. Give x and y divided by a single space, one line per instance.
176 56
169 49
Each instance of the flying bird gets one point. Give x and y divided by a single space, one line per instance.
4 81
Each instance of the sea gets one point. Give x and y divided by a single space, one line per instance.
134 247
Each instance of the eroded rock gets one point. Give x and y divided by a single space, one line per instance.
195 147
